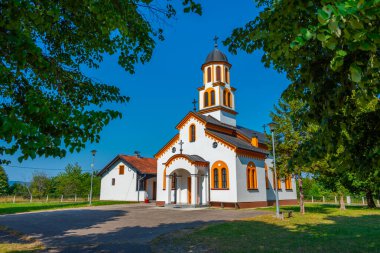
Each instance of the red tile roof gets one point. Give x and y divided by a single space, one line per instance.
142 164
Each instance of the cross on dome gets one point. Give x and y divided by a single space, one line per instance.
216 38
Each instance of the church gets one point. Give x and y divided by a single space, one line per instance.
213 161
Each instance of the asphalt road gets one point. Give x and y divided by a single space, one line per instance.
118 228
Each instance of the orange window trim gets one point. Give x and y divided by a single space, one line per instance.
192 133
219 166
218 73
266 177
121 170
288 183
251 176
164 177
209 74
278 182
206 99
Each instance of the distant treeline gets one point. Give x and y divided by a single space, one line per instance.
73 181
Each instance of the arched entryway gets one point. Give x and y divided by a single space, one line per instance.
188 189
187 180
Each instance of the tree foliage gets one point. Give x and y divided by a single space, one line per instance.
4 184
40 185
48 105
74 181
330 53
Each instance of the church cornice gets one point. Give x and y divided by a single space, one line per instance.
167 146
250 154
217 108
187 117
216 63
188 158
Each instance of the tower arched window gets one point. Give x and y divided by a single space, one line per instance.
212 93
192 133
220 176
205 99
218 73
229 99
227 75
251 176
225 97
209 74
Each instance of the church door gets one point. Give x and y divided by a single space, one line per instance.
154 190
189 190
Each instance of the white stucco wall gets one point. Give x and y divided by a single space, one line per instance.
203 148
245 195
125 185
237 166
283 194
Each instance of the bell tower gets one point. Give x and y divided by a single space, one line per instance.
217 96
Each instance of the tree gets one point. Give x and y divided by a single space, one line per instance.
70 181
40 185
329 51
20 189
48 106
290 133
4 186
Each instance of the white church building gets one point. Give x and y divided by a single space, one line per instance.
214 161
211 161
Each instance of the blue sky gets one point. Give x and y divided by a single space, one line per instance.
162 90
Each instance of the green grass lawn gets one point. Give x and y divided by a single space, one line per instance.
324 228
10 208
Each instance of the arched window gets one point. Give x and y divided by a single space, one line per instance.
278 182
224 178
251 176
220 176
218 74
225 97
205 98
229 99
216 179
288 183
212 97
227 75
192 133
164 180
266 177
174 181
209 74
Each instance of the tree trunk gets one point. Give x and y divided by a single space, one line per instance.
341 202
370 201
302 203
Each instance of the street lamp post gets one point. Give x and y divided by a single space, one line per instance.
93 152
272 127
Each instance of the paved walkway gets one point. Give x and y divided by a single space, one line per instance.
118 228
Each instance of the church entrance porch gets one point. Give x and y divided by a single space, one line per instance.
186 181
186 189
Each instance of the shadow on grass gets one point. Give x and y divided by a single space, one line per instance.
338 234
9 208
321 208
21 207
